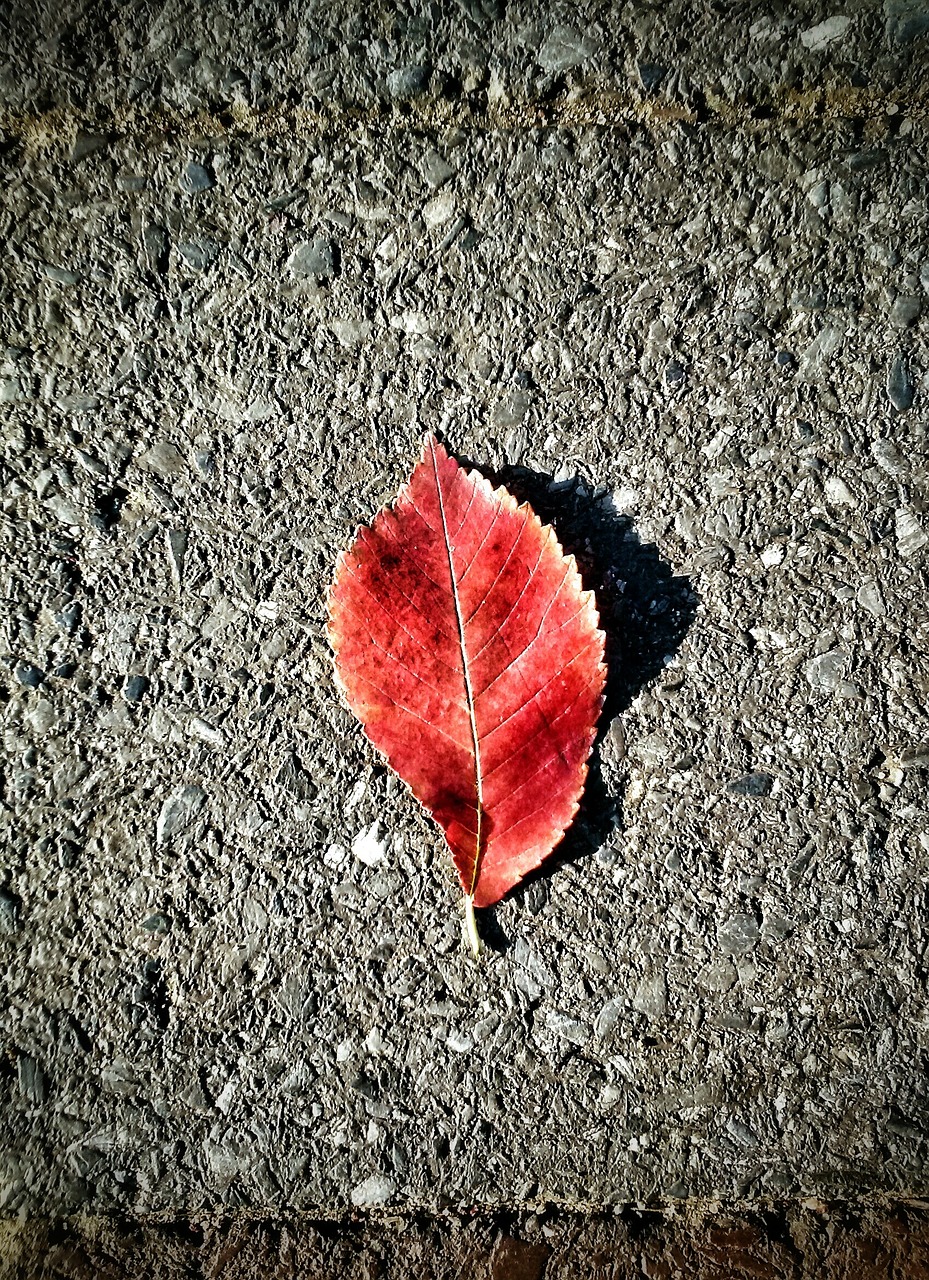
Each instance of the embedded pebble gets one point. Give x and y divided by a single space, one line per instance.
911 536
135 688
651 996
196 178
374 1191
838 492
566 47
179 811
408 82
316 259
887 456
370 845
29 675
826 670
825 33
739 934
752 784
899 384
905 310
869 597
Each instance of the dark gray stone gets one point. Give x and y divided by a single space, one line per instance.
409 82
906 20
196 178
899 384
752 784
135 688
29 675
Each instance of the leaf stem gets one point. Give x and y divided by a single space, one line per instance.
471 924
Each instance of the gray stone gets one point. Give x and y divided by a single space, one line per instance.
157 923
826 670
370 845
196 178
78 402
163 459
869 597
567 1028
61 275
752 784
911 536
915 757
739 934
436 170
887 456
135 688
718 976
316 259
776 927
409 82
743 1134
651 995
179 811
609 1017
817 358
650 76
29 675
32 1082
905 310
85 144
199 254
825 33
10 908
565 48
905 20
899 384
532 976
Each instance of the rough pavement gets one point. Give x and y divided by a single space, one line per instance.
667 272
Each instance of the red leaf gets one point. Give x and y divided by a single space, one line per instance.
468 649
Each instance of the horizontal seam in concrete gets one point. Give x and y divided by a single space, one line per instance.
595 109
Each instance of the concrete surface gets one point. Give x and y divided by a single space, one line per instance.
669 266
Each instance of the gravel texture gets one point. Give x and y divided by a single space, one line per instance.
665 271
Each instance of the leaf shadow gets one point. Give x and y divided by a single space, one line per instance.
645 611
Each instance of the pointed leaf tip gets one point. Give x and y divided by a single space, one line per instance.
468 650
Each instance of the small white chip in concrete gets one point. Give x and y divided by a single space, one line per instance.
838 492
370 845
772 555
911 536
824 33
335 855
373 1191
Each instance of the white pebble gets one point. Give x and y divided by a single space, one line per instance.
370 845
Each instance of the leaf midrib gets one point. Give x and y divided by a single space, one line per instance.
469 693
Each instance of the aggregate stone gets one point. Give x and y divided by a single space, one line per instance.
574 245
29 675
752 784
135 688
196 178
317 258
179 811
739 934
899 385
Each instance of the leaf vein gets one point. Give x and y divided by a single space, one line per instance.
525 742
